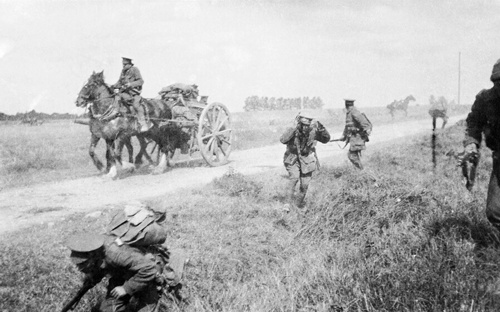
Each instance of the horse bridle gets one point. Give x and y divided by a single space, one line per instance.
92 97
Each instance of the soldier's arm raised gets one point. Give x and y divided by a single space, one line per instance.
322 135
287 135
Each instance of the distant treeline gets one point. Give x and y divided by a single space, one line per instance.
263 103
33 114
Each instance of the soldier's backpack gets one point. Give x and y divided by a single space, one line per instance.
369 129
138 225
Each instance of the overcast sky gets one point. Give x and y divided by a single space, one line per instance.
372 51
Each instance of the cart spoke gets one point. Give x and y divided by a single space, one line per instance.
208 122
210 141
211 149
209 118
225 131
223 151
217 120
217 153
214 117
206 136
219 125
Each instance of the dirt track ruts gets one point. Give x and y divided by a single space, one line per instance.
42 203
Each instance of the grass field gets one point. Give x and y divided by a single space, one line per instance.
58 150
395 237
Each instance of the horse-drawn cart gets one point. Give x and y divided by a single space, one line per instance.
179 121
207 127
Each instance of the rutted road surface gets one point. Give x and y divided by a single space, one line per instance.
37 204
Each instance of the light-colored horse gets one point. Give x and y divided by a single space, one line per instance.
400 105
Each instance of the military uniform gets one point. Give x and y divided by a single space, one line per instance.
130 86
300 158
135 270
485 118
356 131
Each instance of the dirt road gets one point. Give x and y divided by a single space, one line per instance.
48 202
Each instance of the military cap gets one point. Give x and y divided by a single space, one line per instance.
126 59
495 72
305 120
349 102
82 246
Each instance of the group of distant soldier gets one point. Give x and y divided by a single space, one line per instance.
133 254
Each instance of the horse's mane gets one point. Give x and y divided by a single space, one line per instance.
98 78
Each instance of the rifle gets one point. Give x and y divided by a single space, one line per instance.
468 162
71 304
347 139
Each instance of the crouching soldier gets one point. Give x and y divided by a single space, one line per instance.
138 275
484 117
300 158
132 273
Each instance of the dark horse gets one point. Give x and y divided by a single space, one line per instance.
116 132
400 105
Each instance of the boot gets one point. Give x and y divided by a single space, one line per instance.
142 121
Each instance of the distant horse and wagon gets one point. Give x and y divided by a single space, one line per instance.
179 121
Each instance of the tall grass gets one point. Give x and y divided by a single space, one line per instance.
395 237
53 151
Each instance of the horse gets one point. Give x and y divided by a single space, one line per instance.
99 97
400 105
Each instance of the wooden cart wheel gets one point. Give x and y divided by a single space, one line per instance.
214 134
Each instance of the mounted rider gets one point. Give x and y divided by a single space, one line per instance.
128 90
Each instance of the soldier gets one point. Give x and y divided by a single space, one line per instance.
133 273
484 117
300 158
356 132
129 88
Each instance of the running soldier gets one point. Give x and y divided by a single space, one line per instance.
300 158
356 132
